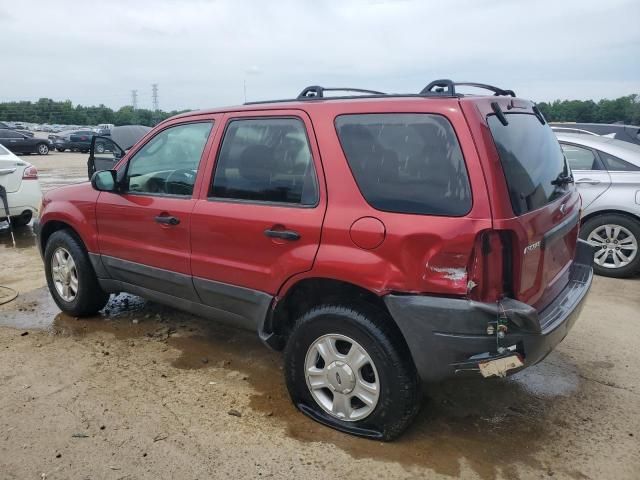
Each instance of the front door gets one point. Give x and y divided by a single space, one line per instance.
260 220
143 232
590 176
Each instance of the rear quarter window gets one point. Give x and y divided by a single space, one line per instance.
406 163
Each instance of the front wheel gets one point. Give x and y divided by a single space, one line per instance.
43 149
615 239
70 276
350 369
99 147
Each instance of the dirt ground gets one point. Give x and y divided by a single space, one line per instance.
146 392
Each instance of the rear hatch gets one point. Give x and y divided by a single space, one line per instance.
11 170
534 202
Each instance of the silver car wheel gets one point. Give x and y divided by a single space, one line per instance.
64 274
342 377
615 245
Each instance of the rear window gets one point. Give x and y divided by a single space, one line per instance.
531 160
406 163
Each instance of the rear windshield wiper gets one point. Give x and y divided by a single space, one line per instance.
562 180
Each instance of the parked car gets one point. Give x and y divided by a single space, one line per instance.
619 131
607 173
572 130
73 140
23 131
436 235
20 143
19 180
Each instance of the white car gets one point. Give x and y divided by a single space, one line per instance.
20 181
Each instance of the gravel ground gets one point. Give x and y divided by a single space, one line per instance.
144 391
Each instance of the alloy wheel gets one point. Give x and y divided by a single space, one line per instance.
342 377
64 274
615 245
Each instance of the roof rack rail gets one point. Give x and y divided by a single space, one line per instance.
447 87
316 91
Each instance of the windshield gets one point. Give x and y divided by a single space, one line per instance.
531 159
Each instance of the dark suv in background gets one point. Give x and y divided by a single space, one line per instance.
381 241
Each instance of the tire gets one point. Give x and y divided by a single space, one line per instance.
89 298
624 242
43 149
389 368
22 220
60 149
99 147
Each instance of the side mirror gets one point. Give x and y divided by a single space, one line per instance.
104 180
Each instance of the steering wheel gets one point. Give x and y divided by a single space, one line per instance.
180 182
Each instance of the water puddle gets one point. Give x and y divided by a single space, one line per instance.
495 426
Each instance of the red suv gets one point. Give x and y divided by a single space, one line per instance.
382 241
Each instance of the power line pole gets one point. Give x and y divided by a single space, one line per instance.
154 96
134 99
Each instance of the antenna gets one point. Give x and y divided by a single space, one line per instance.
134 99
154 96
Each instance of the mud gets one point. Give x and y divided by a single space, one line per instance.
144 391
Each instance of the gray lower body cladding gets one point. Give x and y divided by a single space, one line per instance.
237 306
447 336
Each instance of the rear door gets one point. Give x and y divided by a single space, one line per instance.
260 216
143 231
16 142
11 170
590 176
530 201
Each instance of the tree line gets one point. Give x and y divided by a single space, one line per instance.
49 111
624 109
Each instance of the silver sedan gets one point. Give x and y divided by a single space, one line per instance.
607 174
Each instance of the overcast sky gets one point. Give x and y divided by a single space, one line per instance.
200 52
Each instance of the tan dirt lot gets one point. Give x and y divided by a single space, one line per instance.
144 392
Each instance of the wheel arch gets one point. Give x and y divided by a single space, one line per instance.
597 213
52 226
310 292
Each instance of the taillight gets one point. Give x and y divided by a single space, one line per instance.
490 267
30 173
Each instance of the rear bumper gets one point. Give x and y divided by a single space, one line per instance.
448 336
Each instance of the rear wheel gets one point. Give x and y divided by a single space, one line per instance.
616 239
349 368
70 276
43 149
99 147
22 220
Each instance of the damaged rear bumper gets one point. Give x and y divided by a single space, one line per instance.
448 336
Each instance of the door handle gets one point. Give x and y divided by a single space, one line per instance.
588 181
284 234
167 220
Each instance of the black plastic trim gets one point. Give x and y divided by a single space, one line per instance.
449 335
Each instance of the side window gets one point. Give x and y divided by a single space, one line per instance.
168 163
579 158
616 164
266 160
406 163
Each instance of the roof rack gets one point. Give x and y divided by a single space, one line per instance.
448 87
437 88
316 91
